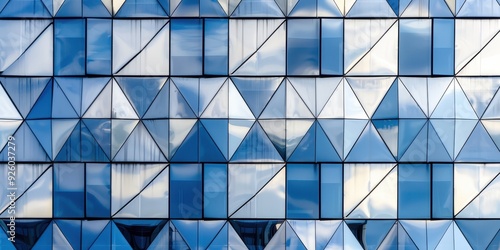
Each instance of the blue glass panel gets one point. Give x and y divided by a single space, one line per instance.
303 47
43 105
415 47
216 46
414 191
94 8
99 46
69 49
24 8
141 8
186 44
215 190
186 199
70 8
332 46
98 190
331 191
69 190
209 152
443 47
302 191
442 190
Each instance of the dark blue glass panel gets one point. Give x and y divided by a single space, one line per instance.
186 44
216 46
443 46
331 191
332 46
69 187
414 191
98 192
302 191
442 190
215 190
69 49
303 47
94 8
415 47
186 197
70 8
98 46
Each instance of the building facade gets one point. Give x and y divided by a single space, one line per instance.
250 124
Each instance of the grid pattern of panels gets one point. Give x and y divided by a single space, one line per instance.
250 124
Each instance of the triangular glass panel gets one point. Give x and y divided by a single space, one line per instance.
436 231
370 234
43 106
463 108
324 91
334 129
329 8
417 150
24 65
417 8
42 129
334 107
101 131
220 241
61 131
32 149
352 131
179 107
209 151
218 107
208 230
95 8
417 230
391 240
238 129
121 130
326 231
352 107
90 148
487 8
45 241
253 232
436 150
463 129
159 108
445 241
325 151
187 149
291 239
370 91
388 107
140 233
24 92
459 239
176 239
121 106
257 8
238 108
7 128
439 8
417 88
162 238
117 238
479 147
141 91
436 88
209 87
304 230
370 8
388 130
256 147
370 148
276 131
495 243
349 240
304 8
96 233
493 110
404 240
306 89
479 92
143 8
61 106
445 129
69 9
71 230
147 152
234 239
218 131
295 107
295 132
211 8
408 107
305 150
58 238
101 106
30 231
408 131
8 111
493 129
187 8
478 206
256 91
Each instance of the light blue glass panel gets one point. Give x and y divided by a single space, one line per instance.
216 46
302 191
443 47
186 50
98 46
69 187
69 51
186 197
303 47
414 191
98 190
415 47
331 191
332 46
215 190
442 190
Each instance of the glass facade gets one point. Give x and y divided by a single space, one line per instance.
249 124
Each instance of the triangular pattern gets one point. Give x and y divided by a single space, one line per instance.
369 8
370 92
417 8
370 147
